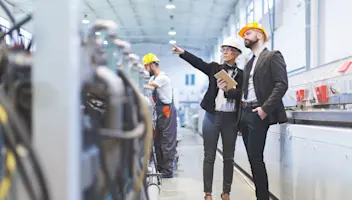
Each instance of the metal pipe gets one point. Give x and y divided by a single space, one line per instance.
153 183
314 32
320 25
153 192
273 24
308 33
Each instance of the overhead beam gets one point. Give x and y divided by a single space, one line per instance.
209 18
188 47
17 7
158 23
162 4
176 12
182 26
90 8
193 37
138 18
119 20
191 9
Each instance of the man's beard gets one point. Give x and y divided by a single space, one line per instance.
151 73
251 43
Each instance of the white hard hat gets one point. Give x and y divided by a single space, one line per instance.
232 42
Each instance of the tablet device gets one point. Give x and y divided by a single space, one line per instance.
225 76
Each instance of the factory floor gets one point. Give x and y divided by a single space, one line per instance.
188 181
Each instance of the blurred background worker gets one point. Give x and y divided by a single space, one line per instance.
166 118
265 84
221 105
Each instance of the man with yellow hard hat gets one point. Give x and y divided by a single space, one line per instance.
265 84
165 139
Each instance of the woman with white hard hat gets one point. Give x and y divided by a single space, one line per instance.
221 104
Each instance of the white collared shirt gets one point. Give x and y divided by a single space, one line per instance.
251 93
223 104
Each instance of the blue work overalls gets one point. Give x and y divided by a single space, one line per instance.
165 139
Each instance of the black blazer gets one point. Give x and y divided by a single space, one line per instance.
210 69
270 84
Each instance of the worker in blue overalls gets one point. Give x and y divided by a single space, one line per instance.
165 138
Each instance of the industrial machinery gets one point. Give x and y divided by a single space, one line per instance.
115 119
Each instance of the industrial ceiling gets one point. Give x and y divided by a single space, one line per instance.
192 24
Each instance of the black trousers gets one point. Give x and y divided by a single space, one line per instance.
213 125
254 132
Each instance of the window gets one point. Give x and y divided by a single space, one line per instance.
233 29
193 79
26 34
190 79
7 37
25 41
237 26
33 47
267 4
8 40
258 10
6 24
250 11
243 18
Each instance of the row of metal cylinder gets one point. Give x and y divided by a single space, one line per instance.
105 49
115 53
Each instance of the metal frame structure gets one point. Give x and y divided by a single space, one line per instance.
327 116
56 83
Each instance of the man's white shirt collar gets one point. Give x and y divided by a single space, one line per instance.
258 52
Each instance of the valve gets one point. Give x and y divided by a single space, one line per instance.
124 63
103 49
135 68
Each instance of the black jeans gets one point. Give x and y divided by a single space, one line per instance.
254 131
212 126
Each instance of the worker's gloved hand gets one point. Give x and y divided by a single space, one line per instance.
177 50
222 84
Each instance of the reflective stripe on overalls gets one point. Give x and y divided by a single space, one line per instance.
165 134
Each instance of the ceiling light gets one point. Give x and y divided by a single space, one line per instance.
97 33
85 21
170 6
172 32
105 42
172 42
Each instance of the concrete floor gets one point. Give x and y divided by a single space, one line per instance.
188 181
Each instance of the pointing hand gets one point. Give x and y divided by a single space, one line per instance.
177 50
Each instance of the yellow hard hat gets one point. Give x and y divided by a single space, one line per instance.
253 25
150 58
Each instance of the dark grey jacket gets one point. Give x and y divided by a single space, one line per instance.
270 84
